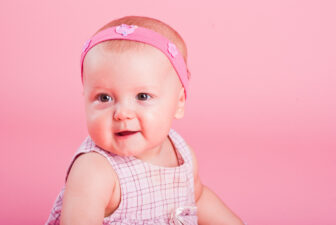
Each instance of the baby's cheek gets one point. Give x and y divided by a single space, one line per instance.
158 120
98 125
150 118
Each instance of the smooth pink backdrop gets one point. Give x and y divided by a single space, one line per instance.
261 114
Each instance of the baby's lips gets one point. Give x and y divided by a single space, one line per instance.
125 132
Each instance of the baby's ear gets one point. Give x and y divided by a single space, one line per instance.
180 105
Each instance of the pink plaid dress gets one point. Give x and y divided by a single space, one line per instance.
150 194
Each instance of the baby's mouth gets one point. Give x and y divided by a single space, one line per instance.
125 133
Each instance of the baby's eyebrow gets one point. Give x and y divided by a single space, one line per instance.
146 87
142 88
94 88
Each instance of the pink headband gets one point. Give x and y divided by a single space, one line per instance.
140 34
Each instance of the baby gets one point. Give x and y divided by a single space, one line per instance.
133 168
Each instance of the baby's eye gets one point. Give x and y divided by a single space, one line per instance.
104 98
143 96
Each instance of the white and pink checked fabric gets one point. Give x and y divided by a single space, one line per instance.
150 194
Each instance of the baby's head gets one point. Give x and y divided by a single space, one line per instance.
133 90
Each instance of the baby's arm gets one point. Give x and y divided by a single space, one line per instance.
88 191
210 209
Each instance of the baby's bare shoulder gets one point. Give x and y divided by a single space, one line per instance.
91 172
88 188
92 165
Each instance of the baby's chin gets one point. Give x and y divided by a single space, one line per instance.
119 153
125 151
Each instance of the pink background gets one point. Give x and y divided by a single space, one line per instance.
261 114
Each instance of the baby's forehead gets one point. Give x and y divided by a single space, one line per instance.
135 51
142 61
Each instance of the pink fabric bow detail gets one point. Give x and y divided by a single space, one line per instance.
125 29
184 216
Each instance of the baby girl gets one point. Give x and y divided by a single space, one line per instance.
133 168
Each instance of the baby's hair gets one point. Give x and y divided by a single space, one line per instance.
149 23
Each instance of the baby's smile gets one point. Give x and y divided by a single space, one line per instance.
126 133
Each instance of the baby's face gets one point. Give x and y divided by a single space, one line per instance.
131 99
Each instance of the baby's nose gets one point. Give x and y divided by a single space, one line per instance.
123 111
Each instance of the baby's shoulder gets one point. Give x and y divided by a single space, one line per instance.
91 172
92 165
90 185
